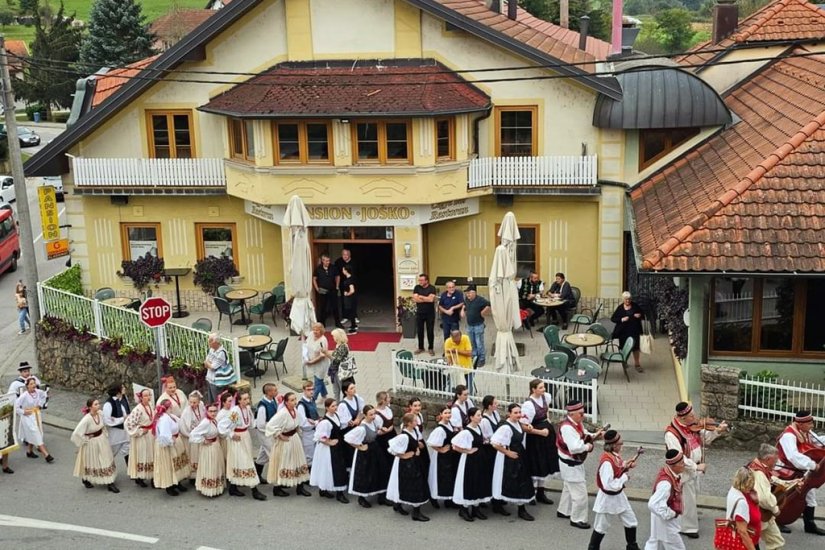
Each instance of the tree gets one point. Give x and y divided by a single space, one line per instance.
675 28
549 10
28 7
118 35
49 76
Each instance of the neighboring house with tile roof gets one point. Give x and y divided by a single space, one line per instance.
18 51
409 128
738 215
169 28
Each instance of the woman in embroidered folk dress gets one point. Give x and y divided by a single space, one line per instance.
366 477
473 481
226 400
171 460
141 439
240 460
30 426
408 483
511 480
490 421
329 467
461 404
211 475
385 429
95 464
175 397
287 462
191 417
349 412
540 453
443 461
422 458
610 498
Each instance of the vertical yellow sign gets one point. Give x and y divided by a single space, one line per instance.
48 213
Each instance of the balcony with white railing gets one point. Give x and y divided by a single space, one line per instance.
552 173
149 175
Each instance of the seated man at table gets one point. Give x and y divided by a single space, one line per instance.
458 351
561 289
530 288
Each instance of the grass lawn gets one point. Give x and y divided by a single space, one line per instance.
152 9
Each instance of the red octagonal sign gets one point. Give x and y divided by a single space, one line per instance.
155 312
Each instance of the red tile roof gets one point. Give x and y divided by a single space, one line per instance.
16 49
778 21
595 47
109 83
749 198
176 24
412 87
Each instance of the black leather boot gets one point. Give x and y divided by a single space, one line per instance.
498 508
630 538
257 495
302 490
260 469
418 516
810 525
478 513
279 492
87 484
398 509
341 497
234 491
465 514
541 497
595 541
524 514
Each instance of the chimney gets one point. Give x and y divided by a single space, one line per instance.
494 5
616 29
584 26
630 30
564 14
725 19
512 9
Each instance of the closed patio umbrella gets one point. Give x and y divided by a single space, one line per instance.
302 314
509 234
504 303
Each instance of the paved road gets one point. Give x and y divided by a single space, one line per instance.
46 133
48 493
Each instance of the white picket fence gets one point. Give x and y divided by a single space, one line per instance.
105 321
779 399
552 171
433 379
143 172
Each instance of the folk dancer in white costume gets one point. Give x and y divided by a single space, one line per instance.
665 505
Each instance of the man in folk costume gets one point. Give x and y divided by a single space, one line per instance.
797 439
115 411
611 499
682 436
762 467
574 442
18 385
264 411
665 504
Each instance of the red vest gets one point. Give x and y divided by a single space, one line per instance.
803 444
674 501
562 446
756 466
689 440
617 464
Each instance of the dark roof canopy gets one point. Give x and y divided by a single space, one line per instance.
661 97
394 87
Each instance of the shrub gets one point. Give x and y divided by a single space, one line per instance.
36 108
68 281
61 116
212 272
143 271
671 304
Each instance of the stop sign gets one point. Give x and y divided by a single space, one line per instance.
155 312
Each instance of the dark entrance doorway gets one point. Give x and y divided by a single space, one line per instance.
374 273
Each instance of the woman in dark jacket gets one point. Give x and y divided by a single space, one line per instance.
628 319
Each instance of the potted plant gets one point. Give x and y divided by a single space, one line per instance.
143 271
405 316
212 272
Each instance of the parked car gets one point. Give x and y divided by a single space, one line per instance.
9 242
57 183
28 137
7 193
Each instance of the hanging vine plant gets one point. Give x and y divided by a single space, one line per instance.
212 272
144 271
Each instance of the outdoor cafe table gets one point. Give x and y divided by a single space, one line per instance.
242 295
118 302
254 342
583 340
544 373
177 273
548 302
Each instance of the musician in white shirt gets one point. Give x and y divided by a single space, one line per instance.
795 441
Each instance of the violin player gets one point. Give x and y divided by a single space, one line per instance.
689 435
762 467
797 439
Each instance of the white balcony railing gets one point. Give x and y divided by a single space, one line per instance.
556 171
142 172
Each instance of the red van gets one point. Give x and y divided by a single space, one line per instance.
9 242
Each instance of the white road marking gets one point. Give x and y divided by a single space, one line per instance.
12 521
40 236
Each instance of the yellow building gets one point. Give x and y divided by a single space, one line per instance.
409 127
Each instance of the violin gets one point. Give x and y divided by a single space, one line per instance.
632 462
709 424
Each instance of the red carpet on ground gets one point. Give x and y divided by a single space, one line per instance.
367 341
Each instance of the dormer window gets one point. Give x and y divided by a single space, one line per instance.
655 144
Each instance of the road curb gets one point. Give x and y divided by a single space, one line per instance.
59 423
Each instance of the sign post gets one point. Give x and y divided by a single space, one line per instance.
154 313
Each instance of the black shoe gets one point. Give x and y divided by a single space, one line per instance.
690 535
498 508
172 492
301 490
279 492
784 529
580 524
562 516
810 525
364 503
341 497
524 514
257 495
465 515
235 492
630 538
87 484
541 497
595 541
141 483
382 500
418 516
193 482
32 455
398 509
8 471
49 459
435 504
452 505
181 488
112 488
478 513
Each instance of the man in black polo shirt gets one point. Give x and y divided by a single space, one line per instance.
346 261
424 296
475 308
325 281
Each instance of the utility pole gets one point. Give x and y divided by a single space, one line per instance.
23 215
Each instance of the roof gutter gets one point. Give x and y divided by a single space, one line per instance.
374 114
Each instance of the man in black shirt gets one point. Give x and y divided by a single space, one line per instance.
424 296
325 280
562 289
346 261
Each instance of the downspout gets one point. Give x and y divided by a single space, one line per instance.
476 130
